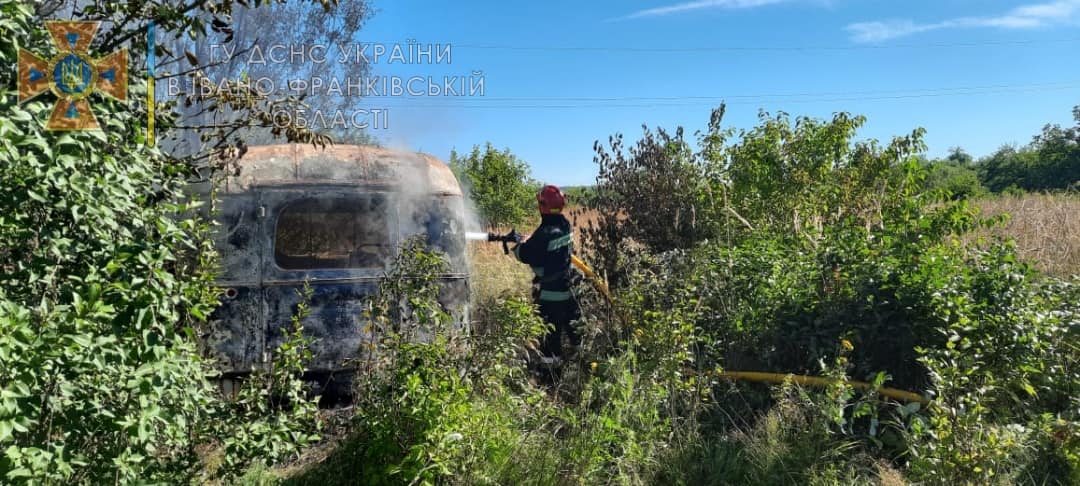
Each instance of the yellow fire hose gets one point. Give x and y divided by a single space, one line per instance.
757 376
893 393
593 277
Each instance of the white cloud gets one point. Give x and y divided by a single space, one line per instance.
1023 17
699 5
879 31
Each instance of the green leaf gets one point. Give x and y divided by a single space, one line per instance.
20 472
83 340
5 430
19 115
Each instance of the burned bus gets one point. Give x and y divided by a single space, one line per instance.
331 217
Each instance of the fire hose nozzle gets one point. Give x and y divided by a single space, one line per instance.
512 237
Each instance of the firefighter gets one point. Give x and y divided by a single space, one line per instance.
548 252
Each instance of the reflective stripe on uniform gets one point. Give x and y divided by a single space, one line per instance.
554 295
561 242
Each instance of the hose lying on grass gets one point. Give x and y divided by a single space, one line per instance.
893 393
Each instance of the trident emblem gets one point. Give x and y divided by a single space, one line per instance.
72 75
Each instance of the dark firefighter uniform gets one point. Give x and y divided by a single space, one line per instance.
548 252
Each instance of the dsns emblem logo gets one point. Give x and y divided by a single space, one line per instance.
72 75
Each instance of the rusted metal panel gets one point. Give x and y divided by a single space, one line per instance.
236 238
237 337
335 323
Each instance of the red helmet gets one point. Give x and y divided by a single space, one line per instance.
551 199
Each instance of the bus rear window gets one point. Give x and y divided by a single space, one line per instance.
332 233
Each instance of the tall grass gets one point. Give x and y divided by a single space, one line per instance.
1046 228
494 274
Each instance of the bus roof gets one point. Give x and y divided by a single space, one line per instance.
361 165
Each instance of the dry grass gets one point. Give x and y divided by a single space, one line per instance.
1046 229
888 475
494 274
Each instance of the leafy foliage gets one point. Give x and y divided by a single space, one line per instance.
955 177
1050 162
859 274
780 248
102 283
655 192
821 239
273 416
498 183
421 417
106 280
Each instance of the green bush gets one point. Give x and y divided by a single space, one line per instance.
859 274
498 183
953 180
791 443
861 267
103 282
656 193
1050 162
442 404
432 399
839 240
273 416
106 280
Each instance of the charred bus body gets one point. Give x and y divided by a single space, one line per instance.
331 217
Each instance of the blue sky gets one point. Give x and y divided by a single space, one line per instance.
559 75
